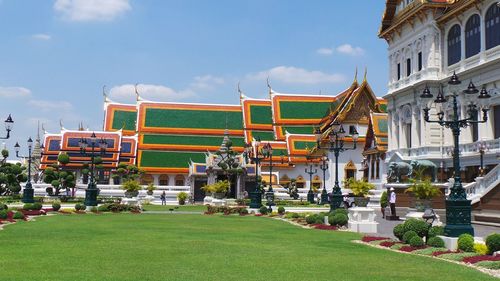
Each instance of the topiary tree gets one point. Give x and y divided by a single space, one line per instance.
338 219
58 178
11 177
435 242
409 235
416 241
399 231
63 158
493 243
435 231
419 226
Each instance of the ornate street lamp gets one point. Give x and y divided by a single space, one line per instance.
255 155
324 167
336 145
310 193
267 151
28 188
458 208
482 147
92 190
9 124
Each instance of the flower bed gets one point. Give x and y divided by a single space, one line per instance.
408 249
373 238
476 259
33 212
387 244
324 227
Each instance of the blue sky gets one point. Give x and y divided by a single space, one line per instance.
56 56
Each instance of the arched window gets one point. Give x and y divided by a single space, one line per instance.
163 179
454 45
492 24
179 180
146 179
472 36
407 125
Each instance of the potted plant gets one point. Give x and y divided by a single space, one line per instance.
218 189
423 192
150 188
181 197
360 190
116 179
131 188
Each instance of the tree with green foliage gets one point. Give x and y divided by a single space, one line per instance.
128 172
58 178
11 177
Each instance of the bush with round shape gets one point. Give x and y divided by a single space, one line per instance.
338 219
103 208
340 211
466 242
56 206
436 242
493 243
399 231
28 206
4 214
416 241
311 219
480 248
408 235
281 210
79 207
263 210
435 231
18 216
419 226
37 206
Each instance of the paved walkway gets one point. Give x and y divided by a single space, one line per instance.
385 228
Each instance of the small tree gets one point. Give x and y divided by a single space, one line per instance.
11 177
58 178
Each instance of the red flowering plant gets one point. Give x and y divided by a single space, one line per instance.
324 227
476 259
411 249
373 238
438 253
387 244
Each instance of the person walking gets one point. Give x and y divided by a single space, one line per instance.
163 198
392 201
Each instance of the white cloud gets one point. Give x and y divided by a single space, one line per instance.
50 106
41 36
348 49
91 10
14 92
295 75
206 82
126 92
324 51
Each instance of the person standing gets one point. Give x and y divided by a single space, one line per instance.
163 198
392 201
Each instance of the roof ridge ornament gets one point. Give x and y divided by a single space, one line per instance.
355 81
137 96
364 77
242 95
269 86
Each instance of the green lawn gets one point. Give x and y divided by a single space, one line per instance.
184 208
196 247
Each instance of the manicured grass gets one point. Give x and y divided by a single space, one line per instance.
186 208
197 247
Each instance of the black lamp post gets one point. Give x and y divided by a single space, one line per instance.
482 147
458 208
267 151
324 167
28 188
310 193
9 124
253 154
92 190
336 145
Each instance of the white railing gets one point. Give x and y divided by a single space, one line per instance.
483 185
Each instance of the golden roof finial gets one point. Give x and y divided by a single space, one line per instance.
366 71
355 76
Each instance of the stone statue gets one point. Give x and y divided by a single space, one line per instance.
423 166
396 170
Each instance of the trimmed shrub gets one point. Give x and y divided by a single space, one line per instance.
56 206
466 242
480 248
435 242
37 206
79 207
281 210
408 235
243 211
338 219
28 206
399 231
4 214
3 207
416 241
340 211
263 210
103 208
435 231
493 243
311 219
18 216
419 226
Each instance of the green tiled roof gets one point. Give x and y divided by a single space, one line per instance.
261 114
127 118
193 119
304 144
264 135
170 159
190 140
303 110
298 129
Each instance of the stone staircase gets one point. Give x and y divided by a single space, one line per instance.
485 196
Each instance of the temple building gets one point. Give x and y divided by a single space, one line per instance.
174 143
428 41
